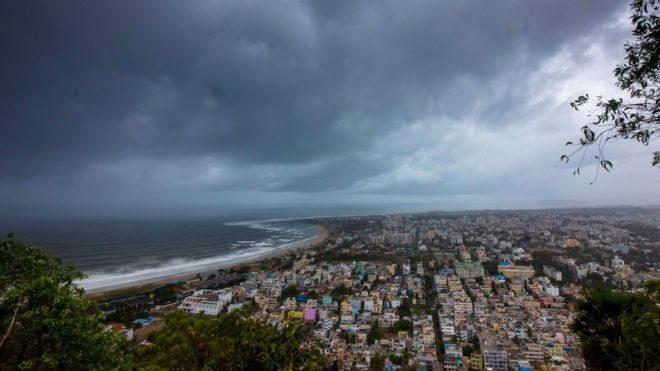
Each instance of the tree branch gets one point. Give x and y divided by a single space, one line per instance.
13 321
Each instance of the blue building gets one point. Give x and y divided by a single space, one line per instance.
524 366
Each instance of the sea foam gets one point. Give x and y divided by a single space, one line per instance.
133 275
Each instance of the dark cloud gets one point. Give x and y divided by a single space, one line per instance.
267 96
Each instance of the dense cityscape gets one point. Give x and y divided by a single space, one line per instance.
476 290
330 185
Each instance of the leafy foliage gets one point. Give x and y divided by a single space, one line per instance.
46 322
400 360
404 310
339 292
231 341
619 330
375 333
490 266
636 118
402 325
377 362
289 292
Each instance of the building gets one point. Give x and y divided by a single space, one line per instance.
464 306
453 358
511 270
476 361
295 314
552 272
494 359
524 366
405 269
209 302
552 290
534 352
309 315
617 262
469 269
554 350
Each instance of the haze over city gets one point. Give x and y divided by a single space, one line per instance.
130 108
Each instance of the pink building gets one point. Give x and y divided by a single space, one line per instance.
309 314
546 301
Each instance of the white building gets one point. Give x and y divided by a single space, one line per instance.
406 267
552 290
209 302
552 272
369 305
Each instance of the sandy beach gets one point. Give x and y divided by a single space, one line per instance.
154 282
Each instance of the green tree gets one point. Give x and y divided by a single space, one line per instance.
619 330
289 292
404 310
490 266
401 360
375 333
402 325
46 322
231 341
377 362
637 117
340 291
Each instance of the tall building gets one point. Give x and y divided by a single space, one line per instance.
469 269
552 272
494 359
453 358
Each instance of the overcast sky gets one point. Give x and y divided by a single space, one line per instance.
186 106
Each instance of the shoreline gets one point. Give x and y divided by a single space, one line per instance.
148 283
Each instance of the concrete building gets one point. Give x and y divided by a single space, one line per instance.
552 272
524 366
512 271
469 269
534 352
209 302
494 359
552 290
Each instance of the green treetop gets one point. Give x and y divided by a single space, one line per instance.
636 117
230 341
620 330
46 322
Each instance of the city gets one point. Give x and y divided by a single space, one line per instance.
330 185
476 290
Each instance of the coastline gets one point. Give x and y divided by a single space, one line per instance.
148 283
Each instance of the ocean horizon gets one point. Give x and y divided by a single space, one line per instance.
119 252
123 252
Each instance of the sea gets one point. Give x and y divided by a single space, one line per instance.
115 253
118 252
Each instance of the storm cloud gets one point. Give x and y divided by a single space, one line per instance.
244 102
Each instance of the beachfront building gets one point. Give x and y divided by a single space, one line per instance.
209 302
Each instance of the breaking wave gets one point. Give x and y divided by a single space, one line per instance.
99 281
151 268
